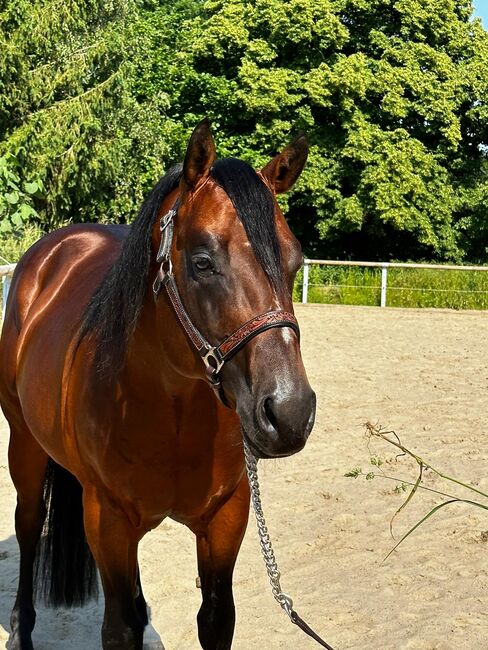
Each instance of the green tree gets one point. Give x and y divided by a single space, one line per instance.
97 100
392 93
62 85
77 108
16 198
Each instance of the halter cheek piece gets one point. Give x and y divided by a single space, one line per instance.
212 356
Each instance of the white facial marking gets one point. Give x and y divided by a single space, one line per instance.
288 335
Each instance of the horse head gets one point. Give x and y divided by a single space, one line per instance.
233 257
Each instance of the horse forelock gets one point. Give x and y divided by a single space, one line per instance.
255 208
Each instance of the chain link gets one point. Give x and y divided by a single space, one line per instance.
268 554
267 549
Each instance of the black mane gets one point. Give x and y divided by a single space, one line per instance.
114 308
113 311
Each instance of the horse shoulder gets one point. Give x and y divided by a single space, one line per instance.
72 258
51 287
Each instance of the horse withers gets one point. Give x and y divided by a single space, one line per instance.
133 361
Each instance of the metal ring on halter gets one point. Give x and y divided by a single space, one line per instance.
213 364
167 268
165 271
163 276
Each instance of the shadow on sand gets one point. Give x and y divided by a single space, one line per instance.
77 628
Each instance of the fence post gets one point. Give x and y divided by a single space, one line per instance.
306 268
5 287
384 279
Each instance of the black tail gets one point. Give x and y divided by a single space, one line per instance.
66 573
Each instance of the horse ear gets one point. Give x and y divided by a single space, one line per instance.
200 155
284 169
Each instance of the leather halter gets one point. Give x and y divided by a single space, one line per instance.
213 356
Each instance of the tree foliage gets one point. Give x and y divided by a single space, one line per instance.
61 87
16 198
99 98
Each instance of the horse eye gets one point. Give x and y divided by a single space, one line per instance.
203 265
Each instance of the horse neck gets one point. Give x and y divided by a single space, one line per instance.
159 353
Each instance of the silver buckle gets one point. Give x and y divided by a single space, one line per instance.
166 270
164 273
165 221
213 362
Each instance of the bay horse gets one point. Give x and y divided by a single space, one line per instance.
133 361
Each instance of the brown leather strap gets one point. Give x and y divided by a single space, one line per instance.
255 326
214 357
308 630
194 335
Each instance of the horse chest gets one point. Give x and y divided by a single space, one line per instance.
181 472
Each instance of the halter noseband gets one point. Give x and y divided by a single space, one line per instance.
213 357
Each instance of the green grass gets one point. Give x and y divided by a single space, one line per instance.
343 285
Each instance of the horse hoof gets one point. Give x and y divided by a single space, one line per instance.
152 640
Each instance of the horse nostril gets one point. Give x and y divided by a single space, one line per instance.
287 415
268 411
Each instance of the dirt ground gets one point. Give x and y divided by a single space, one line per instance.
424 374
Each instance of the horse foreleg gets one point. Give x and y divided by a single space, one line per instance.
113 541
27 463
217 550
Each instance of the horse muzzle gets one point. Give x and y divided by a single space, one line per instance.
281 422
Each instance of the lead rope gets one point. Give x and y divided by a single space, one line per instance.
267 549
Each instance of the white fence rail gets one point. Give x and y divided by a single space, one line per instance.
384 266
7 270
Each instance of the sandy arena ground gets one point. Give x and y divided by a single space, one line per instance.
422 373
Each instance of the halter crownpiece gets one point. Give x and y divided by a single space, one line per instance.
213 356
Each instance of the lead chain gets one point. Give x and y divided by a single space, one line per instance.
268 554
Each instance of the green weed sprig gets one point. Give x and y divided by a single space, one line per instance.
390 436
